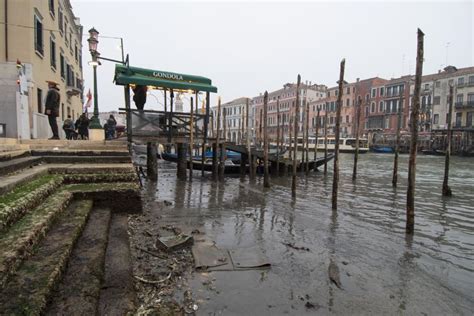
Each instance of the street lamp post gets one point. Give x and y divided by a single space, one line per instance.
93 41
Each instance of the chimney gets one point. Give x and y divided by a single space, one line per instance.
358 79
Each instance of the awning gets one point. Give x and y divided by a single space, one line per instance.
147 77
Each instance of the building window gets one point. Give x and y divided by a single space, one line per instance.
38 35
372 107
458 119
395 90
61 66
329 94
381 106
76 55
470 99
348 90
70 41
347 118
60 21
460 81
52 45
469 119
382 91
436 119
438 84
389 91
427 86
39 99
374 92
471 79
348 102
436 100
459 98
51 7
65 30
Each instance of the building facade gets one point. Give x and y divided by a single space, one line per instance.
285 98
44 37
234 113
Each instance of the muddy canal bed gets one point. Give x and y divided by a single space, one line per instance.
353 261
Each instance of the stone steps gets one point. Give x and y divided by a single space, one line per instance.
9 182
90 152
14 165
26 197
87 159
79 290
7 155
19 241
29 289
117 296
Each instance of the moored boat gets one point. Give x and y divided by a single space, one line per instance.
382 149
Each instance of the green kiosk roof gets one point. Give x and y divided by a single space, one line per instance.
147 77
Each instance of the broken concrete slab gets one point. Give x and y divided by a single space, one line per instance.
210 258
171 243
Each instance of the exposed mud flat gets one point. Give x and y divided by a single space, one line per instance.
356 260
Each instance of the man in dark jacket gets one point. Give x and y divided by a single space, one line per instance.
52 107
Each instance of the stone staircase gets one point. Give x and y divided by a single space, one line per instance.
63 217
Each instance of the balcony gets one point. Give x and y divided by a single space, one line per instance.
71 90
465 85
464 105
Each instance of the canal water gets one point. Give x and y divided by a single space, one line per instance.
362 246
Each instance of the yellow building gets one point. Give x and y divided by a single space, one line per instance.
46 36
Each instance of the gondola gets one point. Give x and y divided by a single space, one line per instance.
231 168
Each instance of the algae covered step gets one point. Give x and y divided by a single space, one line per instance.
78 292
26 197
14 165
19 240
29 289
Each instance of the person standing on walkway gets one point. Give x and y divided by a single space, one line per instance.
111 125
82 125
52 107
68 127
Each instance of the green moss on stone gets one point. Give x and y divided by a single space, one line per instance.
18 242
26 198
34 281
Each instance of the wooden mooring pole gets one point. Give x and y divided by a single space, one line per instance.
446 189
191 140
335 181
410 225
249 149
215 149
357 132
316 138
297 112
278 138
222 157
151 161
266 179
326 140
307 135
182 161
397 141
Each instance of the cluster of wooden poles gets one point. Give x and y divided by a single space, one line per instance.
218 166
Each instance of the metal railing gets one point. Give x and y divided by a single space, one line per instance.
159 124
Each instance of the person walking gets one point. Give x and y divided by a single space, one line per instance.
82 125
68 127
111 125
53 99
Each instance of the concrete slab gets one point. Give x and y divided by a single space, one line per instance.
9 182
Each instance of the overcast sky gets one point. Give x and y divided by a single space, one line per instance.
249 47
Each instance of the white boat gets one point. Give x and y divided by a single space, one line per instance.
346 145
